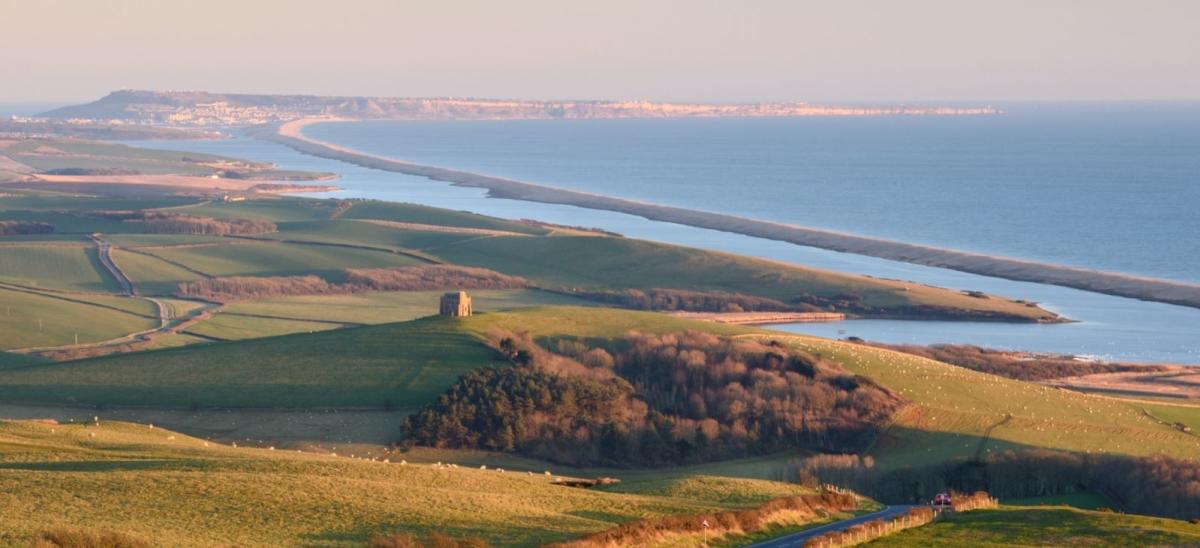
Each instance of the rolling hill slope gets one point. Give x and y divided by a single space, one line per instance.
173 490
953 412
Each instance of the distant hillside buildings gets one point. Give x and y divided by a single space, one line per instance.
455 304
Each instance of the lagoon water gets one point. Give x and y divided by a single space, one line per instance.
1108 327
1112 187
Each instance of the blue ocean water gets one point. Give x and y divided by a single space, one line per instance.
1108 327
1106 186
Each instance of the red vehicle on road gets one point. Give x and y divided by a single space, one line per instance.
942 499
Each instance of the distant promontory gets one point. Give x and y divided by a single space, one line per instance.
186 108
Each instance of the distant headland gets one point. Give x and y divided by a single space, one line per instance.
199 108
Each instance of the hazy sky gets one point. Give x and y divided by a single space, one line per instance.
735 50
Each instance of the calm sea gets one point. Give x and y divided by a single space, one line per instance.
1108 186
1108 327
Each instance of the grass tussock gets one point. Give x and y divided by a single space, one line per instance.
65 537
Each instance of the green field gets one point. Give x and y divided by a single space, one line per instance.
360 233
48 202
592 262
402 365
1053 526
70 267
277 259
151 275
33 320
413 213
953 411
553 259
117 476
1185 414
234 327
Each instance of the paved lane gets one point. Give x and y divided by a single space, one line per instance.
796 540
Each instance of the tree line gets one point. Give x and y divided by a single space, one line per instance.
405 278
168 222
653 400
1154 485
22 228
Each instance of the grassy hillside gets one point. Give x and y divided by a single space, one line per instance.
957 412
591 262
118 476
954 412
351 236
395 365
1054 526
363 233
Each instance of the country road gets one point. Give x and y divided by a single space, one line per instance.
796 540
104 251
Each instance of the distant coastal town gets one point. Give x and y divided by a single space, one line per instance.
204 109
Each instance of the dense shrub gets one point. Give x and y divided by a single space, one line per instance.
654 400
19 228
406 278
1021 366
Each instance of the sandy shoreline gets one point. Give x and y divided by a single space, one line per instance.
1111 283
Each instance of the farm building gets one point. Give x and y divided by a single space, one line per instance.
456 304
